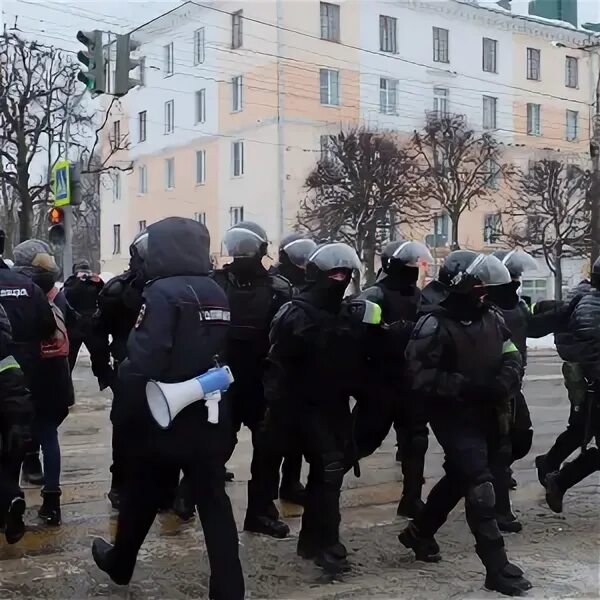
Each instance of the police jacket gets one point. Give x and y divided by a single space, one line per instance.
585 328
467 360
30 316
81 292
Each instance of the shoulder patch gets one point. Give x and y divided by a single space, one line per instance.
426 327
140 317
281 284
373 294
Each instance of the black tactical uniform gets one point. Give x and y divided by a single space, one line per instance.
81 291
387 396
181 327
585 327
463 363
294 251
254 297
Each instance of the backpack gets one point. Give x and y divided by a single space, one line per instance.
58 344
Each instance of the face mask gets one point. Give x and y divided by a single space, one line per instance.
246 268
402 275
328 290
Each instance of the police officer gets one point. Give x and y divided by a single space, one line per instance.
254 297
294 251
585 327
314 365
32 322
388 391
465 367
81 291
181 326
119 303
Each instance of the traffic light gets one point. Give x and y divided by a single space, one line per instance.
94 78
124 64
56 231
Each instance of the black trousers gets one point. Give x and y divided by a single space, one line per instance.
98 349
471 454
143 495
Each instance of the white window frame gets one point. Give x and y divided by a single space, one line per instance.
116 178
492 228
199 46
490 112
169 117
237 31
142 126
142 179
169 173
441 101
237 93
388 96
116 238
441 45
169 59
489 59
116 132
572 125
141 225
200 102
571 72
330 21
200 217
534 119
329 82
236 215
200 167
534 64
237 158
388 34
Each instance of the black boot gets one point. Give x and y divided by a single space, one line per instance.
49 512
410 506
542 468
14 528
32 469
554 493
509 580
266 525
508 522
425 549
293 492
101 552
183 506
333 559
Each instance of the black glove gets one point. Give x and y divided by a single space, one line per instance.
362 311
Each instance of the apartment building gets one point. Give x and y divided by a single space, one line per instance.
238 98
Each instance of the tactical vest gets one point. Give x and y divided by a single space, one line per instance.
398 305
516 320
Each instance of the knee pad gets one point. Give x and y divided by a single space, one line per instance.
333 472
481 497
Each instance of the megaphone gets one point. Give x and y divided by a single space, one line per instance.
167 400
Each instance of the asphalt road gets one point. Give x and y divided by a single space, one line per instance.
560 553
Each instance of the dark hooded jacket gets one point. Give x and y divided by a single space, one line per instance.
181 328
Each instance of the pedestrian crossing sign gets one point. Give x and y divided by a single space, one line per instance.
61 183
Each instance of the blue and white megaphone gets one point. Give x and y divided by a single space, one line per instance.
167 400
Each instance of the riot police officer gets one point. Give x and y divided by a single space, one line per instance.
387 397
181 326
254 297
465 367
294 251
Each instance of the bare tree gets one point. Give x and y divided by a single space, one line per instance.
361 190
552 213
460 167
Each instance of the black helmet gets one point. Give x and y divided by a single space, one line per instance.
139 246
328 257
246 239
516 261
297 248
463 270
408 253
595 275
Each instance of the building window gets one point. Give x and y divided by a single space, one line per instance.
440 45
169 116
116 239
169 173
237 97
571 72
199 42
492 173
535 229
492 228
236 214
142 120
330 87
489 112
142 179
387 34
533 64
200 167
572 125
143 71
536 289
169 60
200 217
388 94
534 126
141 225
116 185
490 55
200 106
236 29
237 158
440 101
116 133
330 22
441 225
326 154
